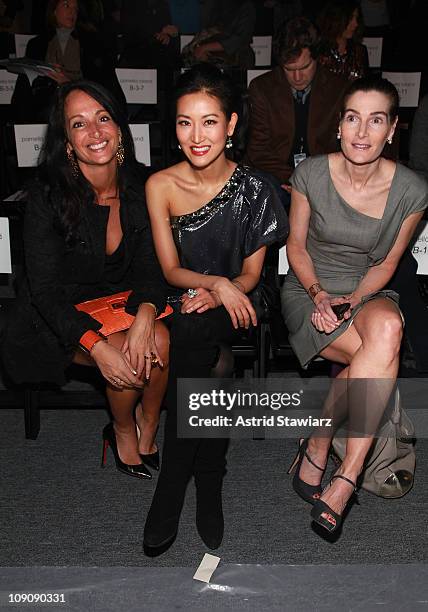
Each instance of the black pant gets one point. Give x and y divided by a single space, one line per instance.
195 341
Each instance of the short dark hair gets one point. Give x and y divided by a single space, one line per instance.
374 83
294 36
335 17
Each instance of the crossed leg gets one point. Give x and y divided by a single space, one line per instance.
370 349
122 401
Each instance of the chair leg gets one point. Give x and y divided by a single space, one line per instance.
264 350
31 414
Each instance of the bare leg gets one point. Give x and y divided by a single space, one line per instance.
380 328
340 351
148 410
122 401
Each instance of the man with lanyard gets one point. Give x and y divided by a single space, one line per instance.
294 107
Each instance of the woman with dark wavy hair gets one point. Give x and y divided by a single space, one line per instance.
341 50
87 235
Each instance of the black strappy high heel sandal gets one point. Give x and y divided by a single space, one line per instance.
308 492
320 508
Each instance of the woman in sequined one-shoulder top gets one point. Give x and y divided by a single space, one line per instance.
212 221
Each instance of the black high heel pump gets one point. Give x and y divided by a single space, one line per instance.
152 460
308 492
320 508
109 439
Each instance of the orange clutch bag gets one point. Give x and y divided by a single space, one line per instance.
110 311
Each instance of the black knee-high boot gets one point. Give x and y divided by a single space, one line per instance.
194 351
209 470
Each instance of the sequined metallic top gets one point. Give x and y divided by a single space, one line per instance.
246 215
352 65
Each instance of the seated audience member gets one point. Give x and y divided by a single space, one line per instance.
212 221
341 52
294 107
149 36
187 16
73 52
228 28
418 150
352 216
87 235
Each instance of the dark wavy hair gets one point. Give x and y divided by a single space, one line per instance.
294 36
70 193
374 83
334 18
207 78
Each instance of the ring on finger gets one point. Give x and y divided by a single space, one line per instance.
154 359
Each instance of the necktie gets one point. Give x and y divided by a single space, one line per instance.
299 96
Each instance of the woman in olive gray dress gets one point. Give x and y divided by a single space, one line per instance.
352 215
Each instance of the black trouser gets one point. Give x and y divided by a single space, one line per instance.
195 341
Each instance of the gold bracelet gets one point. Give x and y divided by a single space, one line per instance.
314 290
152 305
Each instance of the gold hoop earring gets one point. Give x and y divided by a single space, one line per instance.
229 143
75 170
120 153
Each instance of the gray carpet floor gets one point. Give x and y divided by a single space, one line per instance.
58 508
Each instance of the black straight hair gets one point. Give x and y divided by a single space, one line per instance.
207 78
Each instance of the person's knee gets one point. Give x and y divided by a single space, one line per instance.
386 334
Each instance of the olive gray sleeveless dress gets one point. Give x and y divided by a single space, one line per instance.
343 244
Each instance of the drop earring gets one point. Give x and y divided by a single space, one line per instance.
338 135
75 170
389 140
229 143
179 146
120 153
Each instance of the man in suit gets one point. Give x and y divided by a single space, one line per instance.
294 107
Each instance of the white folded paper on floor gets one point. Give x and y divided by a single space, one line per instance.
207 568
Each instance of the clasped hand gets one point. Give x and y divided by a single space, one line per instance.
224 293
130 365
323 317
